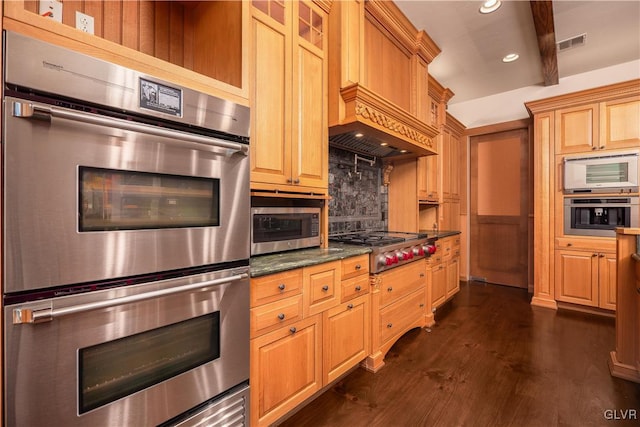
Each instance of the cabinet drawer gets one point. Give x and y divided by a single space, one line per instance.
321 287
355 266
275 286
268 317
353 288
401 281
447 249
590 244
395 318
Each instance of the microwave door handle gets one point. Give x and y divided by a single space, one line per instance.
31 315
26 110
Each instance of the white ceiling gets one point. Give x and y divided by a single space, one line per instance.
473 44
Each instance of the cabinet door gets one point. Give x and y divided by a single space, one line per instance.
576 277
620 123
345 337
453 277
271 74
286 369
310 155
438 285
423 176
577 129
433 174
445 173
607 279
454 167
321 287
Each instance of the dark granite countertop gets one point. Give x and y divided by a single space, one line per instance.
282 261
440 234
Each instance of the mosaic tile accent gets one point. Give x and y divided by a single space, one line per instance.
359 201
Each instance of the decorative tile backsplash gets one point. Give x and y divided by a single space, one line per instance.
359 201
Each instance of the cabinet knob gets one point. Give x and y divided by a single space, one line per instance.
594 255
601 255
389 289
358 266
569 244
421 274
421 305
389 325
296 181
325 288
350 306
602 147
594 148
358 288
289 180
281 316
293 329
281 286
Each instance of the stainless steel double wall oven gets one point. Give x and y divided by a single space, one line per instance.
126 218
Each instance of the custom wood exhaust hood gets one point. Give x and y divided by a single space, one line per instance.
378 81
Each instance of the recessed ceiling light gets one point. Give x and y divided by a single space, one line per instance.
384 144
510 57
490 6
403 151
358 135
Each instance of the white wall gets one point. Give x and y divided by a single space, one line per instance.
508 106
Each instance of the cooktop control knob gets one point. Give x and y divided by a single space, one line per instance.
418 251
429 249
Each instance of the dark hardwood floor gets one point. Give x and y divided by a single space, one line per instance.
491 360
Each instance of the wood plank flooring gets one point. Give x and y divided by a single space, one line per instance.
492 359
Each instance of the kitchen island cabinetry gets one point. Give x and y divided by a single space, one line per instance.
309 326
199 44
398 304
289 150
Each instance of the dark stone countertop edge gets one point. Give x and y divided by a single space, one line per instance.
440 234
275 263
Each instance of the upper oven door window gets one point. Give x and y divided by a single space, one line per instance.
125 200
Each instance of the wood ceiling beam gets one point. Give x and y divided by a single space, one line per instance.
542 12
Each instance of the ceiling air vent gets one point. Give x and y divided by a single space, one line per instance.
576 41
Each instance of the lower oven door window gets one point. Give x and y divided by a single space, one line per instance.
115 369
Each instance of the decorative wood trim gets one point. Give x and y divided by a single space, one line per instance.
602 93
622 370
388 18
325 5
386 174
407 131
454 125
499 127
426 48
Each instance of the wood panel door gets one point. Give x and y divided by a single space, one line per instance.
499 207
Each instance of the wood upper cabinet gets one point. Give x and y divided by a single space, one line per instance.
607 125
289 133
577 129
620 123
199 44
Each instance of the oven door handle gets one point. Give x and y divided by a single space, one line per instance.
27 110
39 315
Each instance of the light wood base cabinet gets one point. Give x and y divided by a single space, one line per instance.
398 304
586 278
286 369
309 326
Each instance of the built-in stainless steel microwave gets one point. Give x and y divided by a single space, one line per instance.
602 173
276 229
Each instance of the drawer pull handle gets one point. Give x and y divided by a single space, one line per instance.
358 288
358 266
281 286
421 274
325 288
389 325
281 316
389 289
293 329
350 306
